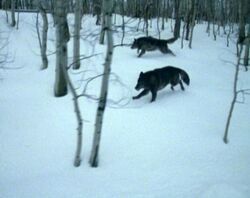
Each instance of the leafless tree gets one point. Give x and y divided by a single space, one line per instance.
43 41
102 33
177 25
62 37
13 18
194 9
247 46
236 92
77 27
107 10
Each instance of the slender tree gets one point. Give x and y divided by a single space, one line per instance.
62 37
43 41
102 34
13 18
77 27
107 10
194 7
177 25
241 36
97 11
235 93
247 46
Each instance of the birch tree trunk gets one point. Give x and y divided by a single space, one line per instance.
77 27
43 42
97 11
188 19
241 36
62 37
163 16
13 18
247 42
235 93
102 34
77 159
123 21
107 10
194 5
177 25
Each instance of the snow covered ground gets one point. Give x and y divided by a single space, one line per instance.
170 148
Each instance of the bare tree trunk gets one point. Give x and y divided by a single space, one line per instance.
17 21
163 16
43 42
107 10
247 46
77 160
242 35
194 5
77 27
146 16
97 11
5 7
235 92
102 34
123 22
188 19
13 18
177 25
158 18
62 37
186 7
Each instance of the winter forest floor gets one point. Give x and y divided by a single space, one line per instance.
170 148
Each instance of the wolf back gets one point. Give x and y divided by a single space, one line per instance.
149 43
155 80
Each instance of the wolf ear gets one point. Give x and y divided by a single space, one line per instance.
141 73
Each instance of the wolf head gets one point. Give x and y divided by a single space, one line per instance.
135 44
140 82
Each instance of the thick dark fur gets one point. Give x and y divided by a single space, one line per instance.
149 43
155 80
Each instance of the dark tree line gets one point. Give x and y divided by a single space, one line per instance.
215 12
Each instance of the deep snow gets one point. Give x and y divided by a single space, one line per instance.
170 148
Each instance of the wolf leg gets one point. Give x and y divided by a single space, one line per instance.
182 87
143 93
154 94
164 49
142 52
174 81
170 52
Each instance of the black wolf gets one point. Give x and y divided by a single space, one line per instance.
159 78
149 43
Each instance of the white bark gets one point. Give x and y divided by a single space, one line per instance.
43 42
13 19
247 41
235 92
77 27
62 37
107 10
77 159
193 22
102 34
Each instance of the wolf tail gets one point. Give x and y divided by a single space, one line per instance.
171 40
185 77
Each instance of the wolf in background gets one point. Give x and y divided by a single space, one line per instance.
155 80
149 43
